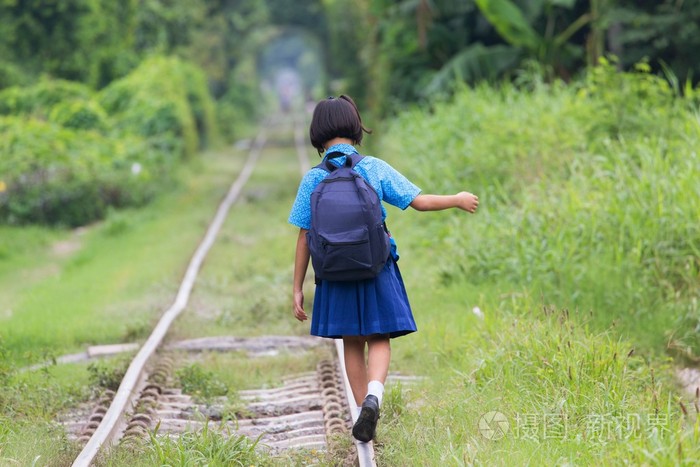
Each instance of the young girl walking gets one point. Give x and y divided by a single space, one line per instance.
366 314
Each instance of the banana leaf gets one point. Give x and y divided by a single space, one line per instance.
474 63
510 23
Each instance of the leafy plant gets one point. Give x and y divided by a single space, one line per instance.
6 371
200 383
108 375
80 115
551 48
203 447
175 110
38 100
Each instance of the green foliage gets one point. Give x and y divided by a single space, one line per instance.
80 115
200 383
108 375
69 155
660 32
510 22
81 40
202 106
10 75
38 396
39 100
57 175
566 395
629 103
475 63
164 25
551 48
176 110
6 367
410 49
205 447
29 405
98 41
589 196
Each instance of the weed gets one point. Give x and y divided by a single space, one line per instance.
108 374
136 330
116 223
200 383
203 447
6 365
393 403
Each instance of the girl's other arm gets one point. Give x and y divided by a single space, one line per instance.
301 264
462 200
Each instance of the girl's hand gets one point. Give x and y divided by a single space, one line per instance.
299 312
467 201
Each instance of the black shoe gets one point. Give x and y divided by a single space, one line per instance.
366 423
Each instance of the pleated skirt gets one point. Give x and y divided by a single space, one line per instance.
363 308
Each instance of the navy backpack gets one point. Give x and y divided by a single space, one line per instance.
348 239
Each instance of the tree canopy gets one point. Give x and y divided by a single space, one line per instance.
384 52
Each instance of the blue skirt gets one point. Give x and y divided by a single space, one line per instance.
362 308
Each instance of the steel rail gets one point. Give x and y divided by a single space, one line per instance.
109 428
365 451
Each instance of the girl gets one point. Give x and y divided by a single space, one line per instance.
366 313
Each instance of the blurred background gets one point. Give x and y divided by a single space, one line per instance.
97 96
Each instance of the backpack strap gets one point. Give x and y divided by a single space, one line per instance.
351 161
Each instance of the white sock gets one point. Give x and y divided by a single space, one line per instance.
376 388
355 412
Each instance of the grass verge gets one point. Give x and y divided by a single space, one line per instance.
104 284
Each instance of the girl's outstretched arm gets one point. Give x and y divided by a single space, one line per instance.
301 264
462 200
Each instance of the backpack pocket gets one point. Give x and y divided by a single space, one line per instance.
346 254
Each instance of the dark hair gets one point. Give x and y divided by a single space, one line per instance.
336 118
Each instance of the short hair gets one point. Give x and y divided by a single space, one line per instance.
336 118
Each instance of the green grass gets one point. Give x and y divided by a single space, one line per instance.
117 278
580 209
29 405
569 394
109 284
242 290
585 214
244 286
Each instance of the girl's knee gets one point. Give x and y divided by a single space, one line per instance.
354 340
378 338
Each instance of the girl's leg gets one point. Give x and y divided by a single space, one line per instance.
379 357
354 351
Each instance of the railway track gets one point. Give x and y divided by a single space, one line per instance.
305 412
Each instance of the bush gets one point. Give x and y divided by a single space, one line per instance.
202 105
10 75
165 99
38 100
240 105
56 175
80 115
66 155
